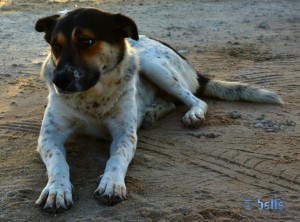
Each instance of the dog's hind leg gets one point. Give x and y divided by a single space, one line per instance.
167 77
155 111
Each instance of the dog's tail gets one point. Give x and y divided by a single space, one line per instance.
234 91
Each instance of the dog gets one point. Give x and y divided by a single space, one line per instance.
106 80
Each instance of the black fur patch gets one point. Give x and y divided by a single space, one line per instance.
202 80
167 45
112 28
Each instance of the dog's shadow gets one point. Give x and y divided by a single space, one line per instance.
87 158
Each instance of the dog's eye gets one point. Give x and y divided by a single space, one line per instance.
85 43
56 48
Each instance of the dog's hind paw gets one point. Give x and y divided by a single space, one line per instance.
150 119
194 118
157 110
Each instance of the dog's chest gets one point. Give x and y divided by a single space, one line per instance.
87 117
95 103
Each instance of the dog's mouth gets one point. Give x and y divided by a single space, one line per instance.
62 91
67 87
72 88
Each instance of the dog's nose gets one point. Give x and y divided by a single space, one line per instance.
62 81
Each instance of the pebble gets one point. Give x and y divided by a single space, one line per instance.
38 64
275 128
263 25
259 125
207 135
235 115
261 117
145 214
14 65
205 74
267 125
183 51
290 123
211 135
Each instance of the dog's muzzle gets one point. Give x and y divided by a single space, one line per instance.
67 80
62 81
70 80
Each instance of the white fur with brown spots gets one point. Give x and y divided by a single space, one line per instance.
122 100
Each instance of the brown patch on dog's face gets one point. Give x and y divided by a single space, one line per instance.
57 44
85 44
101 54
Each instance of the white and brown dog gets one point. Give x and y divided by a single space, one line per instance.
108 86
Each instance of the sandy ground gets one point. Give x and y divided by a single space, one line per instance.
177 174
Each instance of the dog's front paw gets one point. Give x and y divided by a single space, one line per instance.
111 189
56 197
194 118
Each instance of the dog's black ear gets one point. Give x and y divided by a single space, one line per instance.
46 25
126 26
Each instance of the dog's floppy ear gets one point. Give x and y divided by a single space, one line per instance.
126 26
46 25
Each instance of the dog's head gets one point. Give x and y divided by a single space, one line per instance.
85 44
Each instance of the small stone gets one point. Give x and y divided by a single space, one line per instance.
183 51
263 25
261 117
268 123
38 64
259 125
211 135
145 214
290 123
275 128
235 115
246 20
194 135
205 74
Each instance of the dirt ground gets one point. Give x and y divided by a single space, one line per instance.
219 172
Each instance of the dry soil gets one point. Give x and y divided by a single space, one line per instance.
214 173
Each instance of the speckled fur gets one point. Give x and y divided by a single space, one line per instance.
113 109
124 98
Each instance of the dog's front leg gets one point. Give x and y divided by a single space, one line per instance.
57 195
112 187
